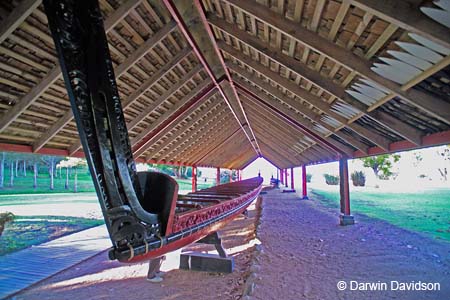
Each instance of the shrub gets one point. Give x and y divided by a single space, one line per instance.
331 179
5 218
308 177
358 178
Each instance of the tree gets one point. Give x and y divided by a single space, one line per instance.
381 164
444 155
2 170
34 159
74 163
51 162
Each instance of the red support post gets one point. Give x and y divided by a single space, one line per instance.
345 217
304 183
194 179
292 179
281 176
240 175
218 176
285 178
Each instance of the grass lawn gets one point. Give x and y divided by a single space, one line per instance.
426 212
24 185
26 231
44 217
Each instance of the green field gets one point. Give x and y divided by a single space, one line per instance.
26 231
426 212
24 185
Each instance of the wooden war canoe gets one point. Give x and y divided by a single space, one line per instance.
143 213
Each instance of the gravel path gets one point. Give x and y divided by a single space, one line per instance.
305 254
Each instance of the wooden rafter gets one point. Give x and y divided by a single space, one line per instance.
407 16
408 132
217 108
432 105
277 108
301 93
188 140
16 17
136 142
23 103
119 71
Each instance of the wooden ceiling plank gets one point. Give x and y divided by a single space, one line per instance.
192 94
55 74
303 94
407 16
17 17
119 71
432 105
187 126
397 126
197 144
190 136
293 115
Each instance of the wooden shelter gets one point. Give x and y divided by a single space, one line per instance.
221 82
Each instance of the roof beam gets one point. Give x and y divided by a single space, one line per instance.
407 16
309 114
118 71
17 17
314 76
127 102
141 141
303 94
212 39
438 108
279 144
168 127
216 108
164 97
292 118
198 145
208 143
196 134
243 159
23 103
299 107
190 39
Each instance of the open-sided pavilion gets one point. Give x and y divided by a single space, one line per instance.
219 83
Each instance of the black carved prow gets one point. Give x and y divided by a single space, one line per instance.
81 44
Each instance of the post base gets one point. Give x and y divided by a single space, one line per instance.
345 220
206 262
304 198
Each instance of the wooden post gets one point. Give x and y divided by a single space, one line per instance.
292 179
218 176
285 178
194 178
281 176
345 217
304 183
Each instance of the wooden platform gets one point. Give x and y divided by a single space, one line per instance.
22 269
